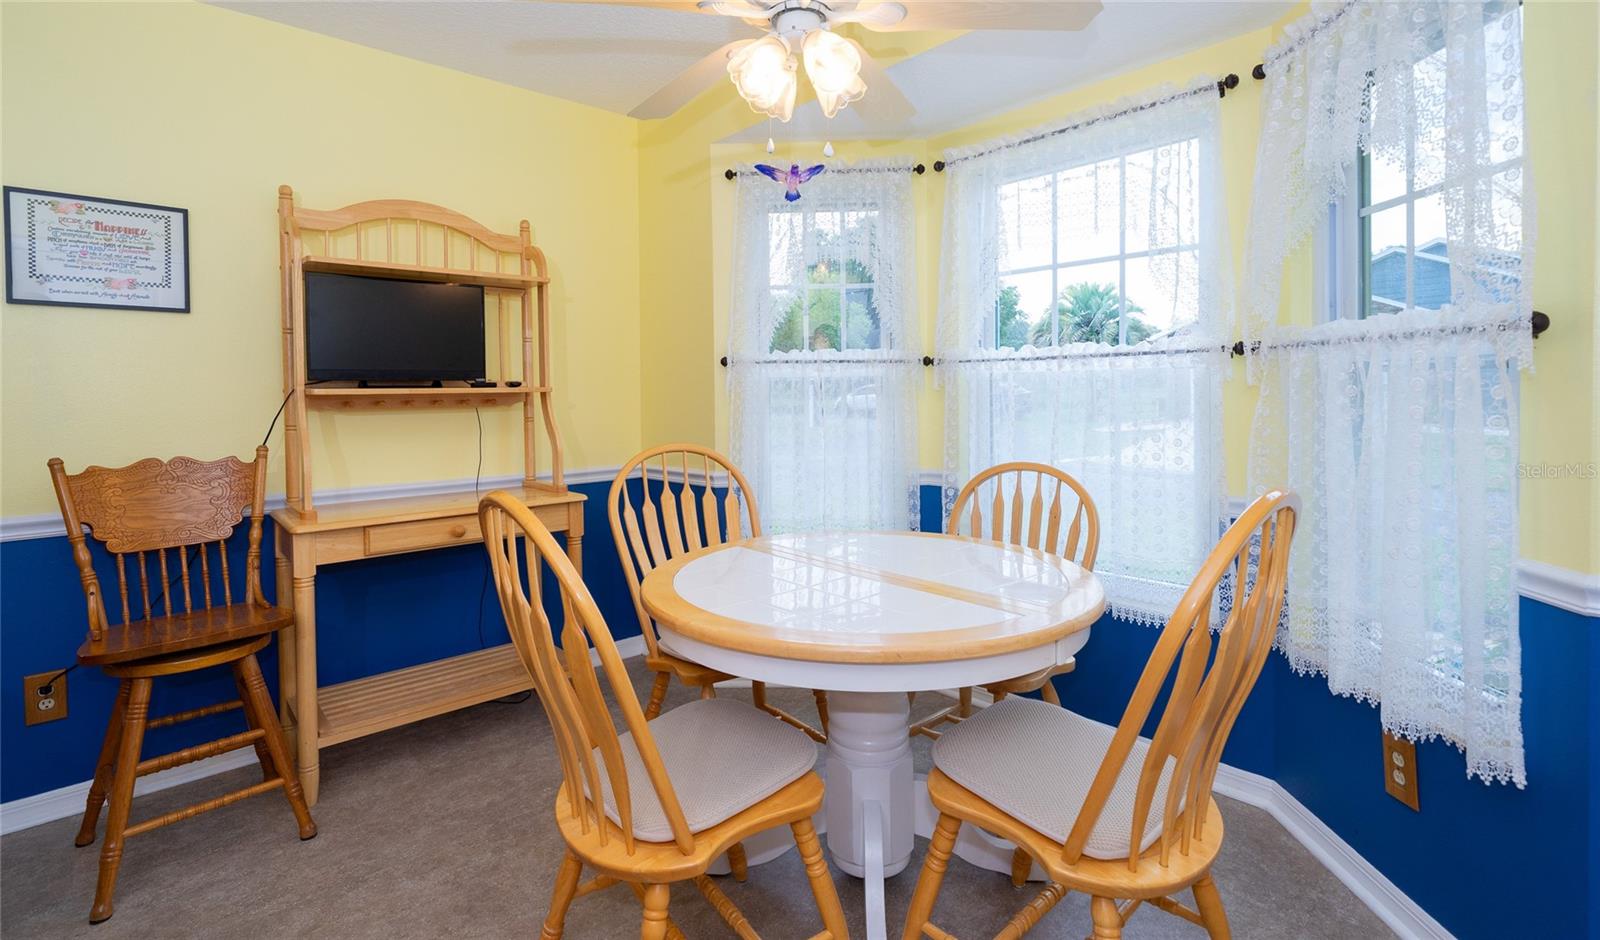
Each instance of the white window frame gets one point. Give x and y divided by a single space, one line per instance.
1122 257
1341 252
805 288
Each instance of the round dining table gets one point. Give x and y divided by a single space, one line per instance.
869 617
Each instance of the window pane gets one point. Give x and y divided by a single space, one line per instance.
1430 264
785 247
861 230
1163 292
1386 261
1089 305
1089 220
1167 179
1025 224
822 328
861 319
789 335
825 266
1023 302
1386 177
1429 94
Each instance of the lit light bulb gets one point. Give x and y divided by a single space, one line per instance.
764 74
834 67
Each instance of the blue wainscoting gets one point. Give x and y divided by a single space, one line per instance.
1485 860
372 616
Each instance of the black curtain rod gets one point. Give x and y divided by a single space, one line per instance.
1539 322
919 169
1231 80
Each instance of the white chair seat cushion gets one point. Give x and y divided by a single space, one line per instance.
722 756
1037 761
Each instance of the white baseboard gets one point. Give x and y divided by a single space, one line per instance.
1377 892
30 811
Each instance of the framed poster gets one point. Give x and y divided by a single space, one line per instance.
80 251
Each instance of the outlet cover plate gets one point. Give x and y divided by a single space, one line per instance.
38 709
1400 770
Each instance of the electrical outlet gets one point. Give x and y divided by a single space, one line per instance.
1400 770
44 697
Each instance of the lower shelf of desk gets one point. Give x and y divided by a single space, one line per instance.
366 706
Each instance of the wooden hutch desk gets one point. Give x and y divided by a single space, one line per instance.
410 241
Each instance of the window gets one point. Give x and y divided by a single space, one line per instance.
827 300
1386 248
822 383
1103 252
1082 312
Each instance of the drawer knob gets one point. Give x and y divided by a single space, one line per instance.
457 531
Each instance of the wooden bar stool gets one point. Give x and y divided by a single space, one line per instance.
148 508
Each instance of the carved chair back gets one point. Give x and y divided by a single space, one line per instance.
155 506
567 683
1211 676
647 534
1026 504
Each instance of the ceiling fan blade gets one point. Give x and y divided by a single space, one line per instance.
681 6
689 84
1067 15
744 9
876 16
884 103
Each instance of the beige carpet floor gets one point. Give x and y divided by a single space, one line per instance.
444 830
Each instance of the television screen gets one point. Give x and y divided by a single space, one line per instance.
388 330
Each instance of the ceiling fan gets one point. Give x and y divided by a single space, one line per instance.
765 70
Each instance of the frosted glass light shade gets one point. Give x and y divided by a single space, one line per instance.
764 73
834 67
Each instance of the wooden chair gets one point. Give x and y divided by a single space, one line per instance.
619 808
1040 499
144 509
648 535
1142 824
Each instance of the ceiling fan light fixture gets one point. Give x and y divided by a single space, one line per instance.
764 72
834 66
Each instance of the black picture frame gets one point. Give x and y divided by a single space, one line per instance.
177 250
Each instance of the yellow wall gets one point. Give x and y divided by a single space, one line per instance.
211 110
635 217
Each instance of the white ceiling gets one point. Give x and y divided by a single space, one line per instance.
614 57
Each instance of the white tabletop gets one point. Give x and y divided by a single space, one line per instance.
894 598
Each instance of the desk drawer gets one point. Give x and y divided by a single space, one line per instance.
428 533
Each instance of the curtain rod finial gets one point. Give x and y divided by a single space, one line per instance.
1259 72
728 174
938 166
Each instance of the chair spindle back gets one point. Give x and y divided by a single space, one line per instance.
153 506
648 534
1204 702
564 677
1027 505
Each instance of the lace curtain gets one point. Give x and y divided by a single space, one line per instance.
822 361
1400 430
1082 310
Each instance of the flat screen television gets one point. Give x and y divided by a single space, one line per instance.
383 330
